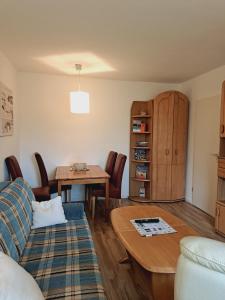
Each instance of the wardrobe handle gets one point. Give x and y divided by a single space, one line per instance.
176 152
167 151
217 211
222 128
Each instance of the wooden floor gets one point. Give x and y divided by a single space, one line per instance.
117 278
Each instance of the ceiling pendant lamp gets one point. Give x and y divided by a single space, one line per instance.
79 100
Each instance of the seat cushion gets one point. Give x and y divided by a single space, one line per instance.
98 190
7 244
73 210
16 210
62 260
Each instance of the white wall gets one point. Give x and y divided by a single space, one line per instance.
9 144
47 126
204 90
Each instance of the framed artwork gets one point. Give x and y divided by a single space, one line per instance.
6 111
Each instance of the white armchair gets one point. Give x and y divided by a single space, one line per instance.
200 270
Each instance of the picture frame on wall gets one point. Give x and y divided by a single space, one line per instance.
6 111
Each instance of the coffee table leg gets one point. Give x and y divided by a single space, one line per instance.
162 286
156 286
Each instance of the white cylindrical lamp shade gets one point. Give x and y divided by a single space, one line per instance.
79 102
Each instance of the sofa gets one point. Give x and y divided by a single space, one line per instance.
61 258
200 271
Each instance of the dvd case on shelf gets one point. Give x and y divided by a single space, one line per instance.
141 172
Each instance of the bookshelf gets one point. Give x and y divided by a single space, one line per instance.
140 151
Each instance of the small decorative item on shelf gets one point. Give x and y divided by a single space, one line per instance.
141 172
143 113
142 144
140 154
142 192
143 126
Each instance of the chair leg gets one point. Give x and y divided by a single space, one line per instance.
93 202
89 198
87 192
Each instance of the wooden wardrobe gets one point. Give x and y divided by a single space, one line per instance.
168 148
170 128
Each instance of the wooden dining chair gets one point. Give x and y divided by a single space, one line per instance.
115 184
52 184
109 167
14 170
110 163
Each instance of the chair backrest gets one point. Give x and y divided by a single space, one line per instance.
110 163
42 169
118 171
13 167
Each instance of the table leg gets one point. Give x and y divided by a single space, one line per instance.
162 286
59 188
107 199
156 286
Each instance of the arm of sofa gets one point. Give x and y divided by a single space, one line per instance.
206 252
200 270
73 211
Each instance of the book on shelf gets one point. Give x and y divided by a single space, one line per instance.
140 154
143 126
138 126
141 172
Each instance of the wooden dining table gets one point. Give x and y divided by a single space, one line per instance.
65 175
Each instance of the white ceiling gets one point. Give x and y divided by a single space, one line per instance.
146 40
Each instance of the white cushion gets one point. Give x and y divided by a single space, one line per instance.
15 282
48 213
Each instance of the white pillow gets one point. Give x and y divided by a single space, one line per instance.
48 213
15 282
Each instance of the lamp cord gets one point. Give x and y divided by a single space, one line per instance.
78 83
78 68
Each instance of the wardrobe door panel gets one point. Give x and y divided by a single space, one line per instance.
180 128
178 182
163 128
162 146
161 189
222 112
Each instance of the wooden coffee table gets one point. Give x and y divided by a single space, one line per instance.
153 258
